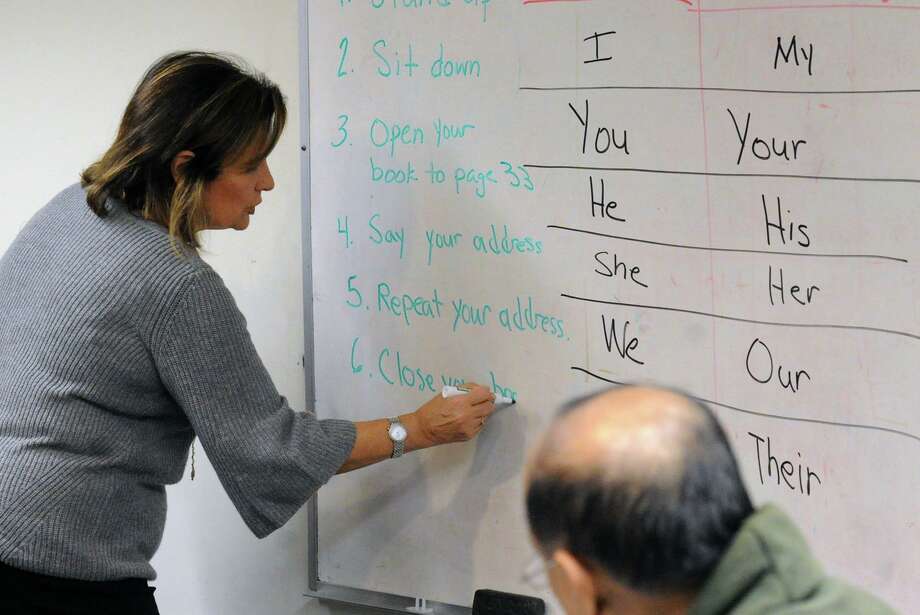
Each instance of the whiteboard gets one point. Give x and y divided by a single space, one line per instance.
548 197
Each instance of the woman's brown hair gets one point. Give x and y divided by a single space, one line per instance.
206 103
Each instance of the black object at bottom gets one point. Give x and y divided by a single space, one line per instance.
491 602
28 593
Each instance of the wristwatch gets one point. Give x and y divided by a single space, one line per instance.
398 434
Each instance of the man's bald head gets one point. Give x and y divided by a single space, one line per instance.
640 482
635 434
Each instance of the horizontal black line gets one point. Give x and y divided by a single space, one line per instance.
767 414
745 320
680 88
734 250
901 180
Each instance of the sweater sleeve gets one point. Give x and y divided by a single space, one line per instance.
269 459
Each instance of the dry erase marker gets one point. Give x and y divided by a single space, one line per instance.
452 391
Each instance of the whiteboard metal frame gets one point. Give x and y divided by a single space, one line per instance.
382 602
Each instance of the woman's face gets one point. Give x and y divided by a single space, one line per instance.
234 195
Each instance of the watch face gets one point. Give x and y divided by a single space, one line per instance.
398 432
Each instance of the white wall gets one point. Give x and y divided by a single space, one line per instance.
67 70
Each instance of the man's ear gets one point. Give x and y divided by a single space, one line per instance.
178 160
579 584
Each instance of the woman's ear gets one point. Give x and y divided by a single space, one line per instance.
178 160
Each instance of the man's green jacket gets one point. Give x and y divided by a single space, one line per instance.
769 570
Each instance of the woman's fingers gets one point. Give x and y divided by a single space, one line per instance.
482 403
478 393
484 409
481 400
458 418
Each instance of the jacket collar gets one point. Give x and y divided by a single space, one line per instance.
768 549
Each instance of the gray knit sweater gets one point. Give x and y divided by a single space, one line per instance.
114 353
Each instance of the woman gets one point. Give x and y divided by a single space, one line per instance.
118 345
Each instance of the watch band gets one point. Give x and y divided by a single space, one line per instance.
399 446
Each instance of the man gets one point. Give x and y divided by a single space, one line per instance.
636 501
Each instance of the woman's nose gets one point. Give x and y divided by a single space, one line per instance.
266 181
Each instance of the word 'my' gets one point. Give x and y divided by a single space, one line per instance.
791 54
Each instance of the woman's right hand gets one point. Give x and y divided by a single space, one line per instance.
454 419
439 421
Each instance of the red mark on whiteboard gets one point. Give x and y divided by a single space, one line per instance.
881 4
